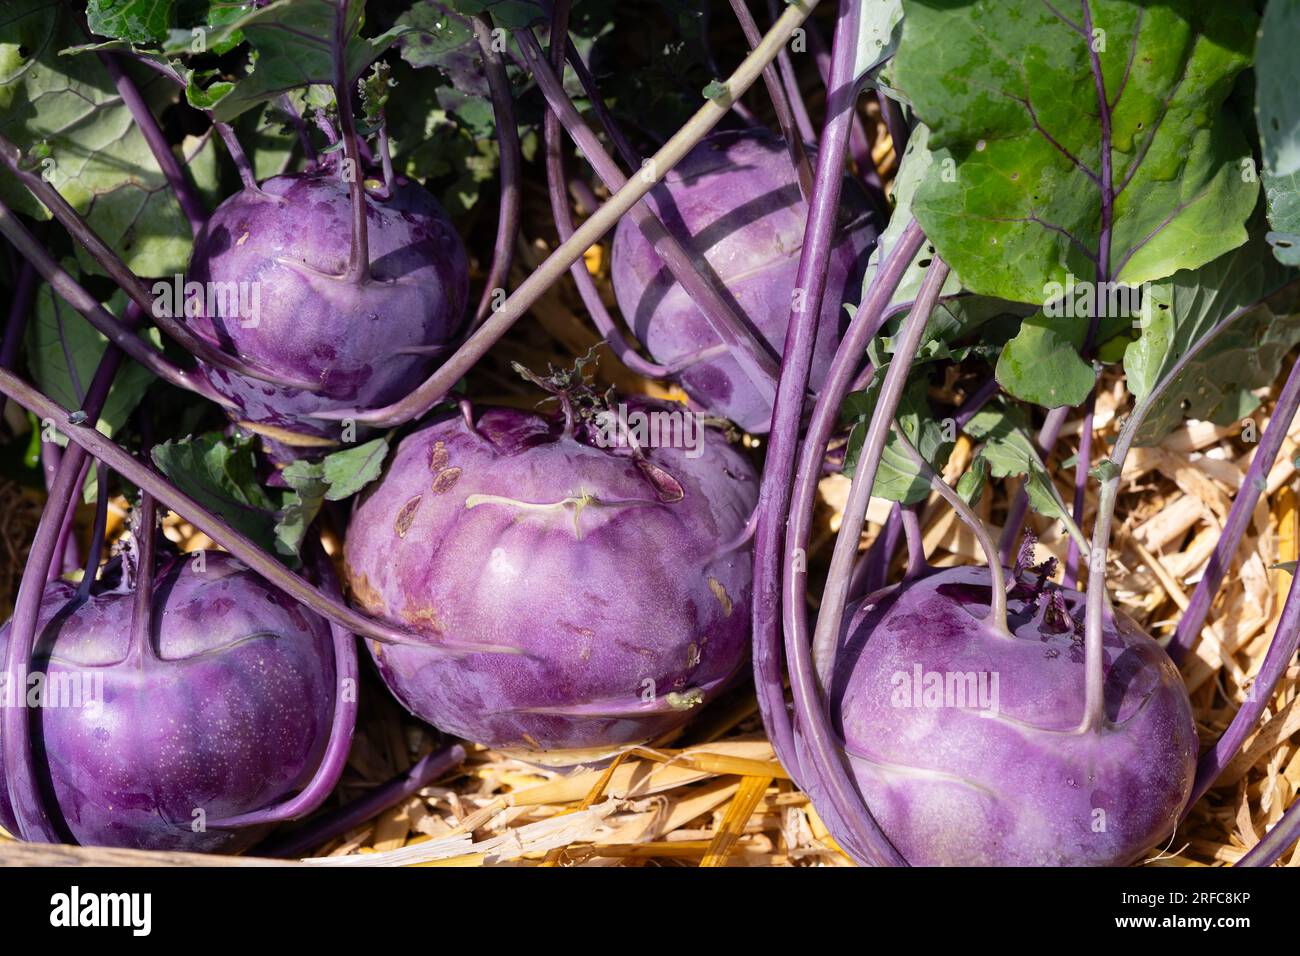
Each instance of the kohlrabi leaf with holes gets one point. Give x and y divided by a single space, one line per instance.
1039 113
1277 113
878 33
1247 294
897 478
63 351
66 115
293 43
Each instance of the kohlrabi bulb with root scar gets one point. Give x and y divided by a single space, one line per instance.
272 268
737 195
223 709
965 741
619 576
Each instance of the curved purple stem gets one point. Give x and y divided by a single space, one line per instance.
237 155
358 270
600 317
1281 651
780 103
139 648
342 726
790 79
826 774
830 614
300 125
316 833
1277 841
25 795
1243 507
117 270
186 195
503 108
20 307
751 352
117 332
91 569
604 322
67 548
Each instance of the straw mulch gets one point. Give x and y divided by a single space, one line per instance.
714 795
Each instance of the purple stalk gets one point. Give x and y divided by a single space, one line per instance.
859 142
911 523
117 270
780 104
117 332
358 271
752 353
25 795
91 569
600 317
827 773
830 615
342 726
19 310
1082 464
186 195
1243 507
555 179
438 384
316 833
503 108
240 545
140 649
1281 652
1277 841
872 570
236 150
51 459
299 124
803 122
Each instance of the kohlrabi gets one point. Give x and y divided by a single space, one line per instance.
365 333
619 573
737 196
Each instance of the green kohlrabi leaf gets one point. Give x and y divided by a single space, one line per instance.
897 478
1042 364
91 149
1247 284
63 351
1037 111
1277 112
878 34
220 473
332 478
1010 452
138 21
